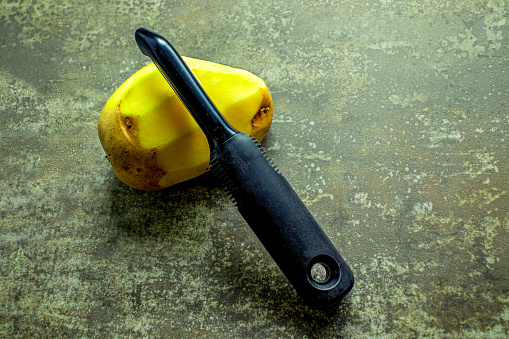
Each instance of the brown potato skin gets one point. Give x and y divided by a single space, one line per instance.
134 165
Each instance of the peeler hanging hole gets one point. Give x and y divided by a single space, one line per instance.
320 273
323 272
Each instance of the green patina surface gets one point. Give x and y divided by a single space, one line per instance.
391 122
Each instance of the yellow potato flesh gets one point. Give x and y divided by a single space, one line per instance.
153 142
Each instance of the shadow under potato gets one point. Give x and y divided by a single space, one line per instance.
164 212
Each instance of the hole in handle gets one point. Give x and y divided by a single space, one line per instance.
320 273
323 272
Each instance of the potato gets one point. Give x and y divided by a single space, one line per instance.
153 142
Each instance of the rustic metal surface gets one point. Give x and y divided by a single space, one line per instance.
391 121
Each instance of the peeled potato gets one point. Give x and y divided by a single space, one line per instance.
153 142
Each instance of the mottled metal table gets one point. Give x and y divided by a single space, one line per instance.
391 120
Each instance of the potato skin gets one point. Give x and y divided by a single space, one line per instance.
134 165
141 167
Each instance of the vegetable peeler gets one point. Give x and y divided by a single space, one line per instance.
263 196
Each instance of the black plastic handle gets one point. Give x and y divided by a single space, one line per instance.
264 197
282 222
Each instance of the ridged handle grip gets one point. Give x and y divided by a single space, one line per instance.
282 222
